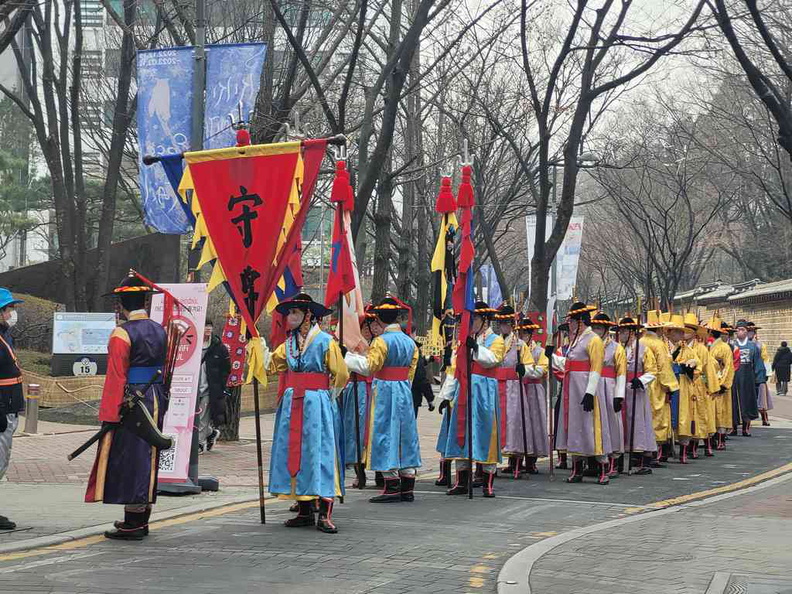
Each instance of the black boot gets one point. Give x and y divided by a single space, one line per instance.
391 493
531 465
562 461
146 515
133 527
360 477
304 517
6 524
325 522
592 467
444 480
461 485
379 480
407 486
489 488
511 469
575 476
478 477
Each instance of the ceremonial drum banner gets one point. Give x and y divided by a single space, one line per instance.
180 417
567 257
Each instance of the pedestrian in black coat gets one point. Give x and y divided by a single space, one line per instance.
421 386
781 366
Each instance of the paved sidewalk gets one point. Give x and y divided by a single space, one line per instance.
44 492
740 544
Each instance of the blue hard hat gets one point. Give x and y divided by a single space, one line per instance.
6 298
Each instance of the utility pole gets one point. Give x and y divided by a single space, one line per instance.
197 132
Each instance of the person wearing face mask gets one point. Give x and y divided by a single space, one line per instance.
583 417
12 401
393 448
306 462
215 367
125 469
488 350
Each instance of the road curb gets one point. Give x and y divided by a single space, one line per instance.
72 535
514 576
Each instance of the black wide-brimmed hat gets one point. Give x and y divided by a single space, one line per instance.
481 308
725 328
525 324
628 323
602 319
579 309
131 284
505 313
388 304
743 324
305 302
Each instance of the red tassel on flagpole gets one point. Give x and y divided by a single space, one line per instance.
465 197
342 190
445 198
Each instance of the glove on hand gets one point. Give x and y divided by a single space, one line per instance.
520 369
588 402
636 384
617 404
443 405
471 343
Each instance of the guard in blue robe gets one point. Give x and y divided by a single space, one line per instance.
488 350
393 446
307 445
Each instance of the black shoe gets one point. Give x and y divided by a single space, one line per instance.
304 517
210 441
407 486
119 524
6 524
379 480
643 471
461 485
478 477
134 526
390 494
325 522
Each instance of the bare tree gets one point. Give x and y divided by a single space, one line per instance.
759 39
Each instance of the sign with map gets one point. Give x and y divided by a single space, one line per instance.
75 333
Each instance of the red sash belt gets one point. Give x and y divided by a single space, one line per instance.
609 372
299 383
393 374
503 375
571 366
478 369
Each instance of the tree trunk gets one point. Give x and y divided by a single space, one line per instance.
382 234
121 120
233 409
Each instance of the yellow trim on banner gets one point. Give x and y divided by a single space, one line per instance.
253 150
217 278
255 353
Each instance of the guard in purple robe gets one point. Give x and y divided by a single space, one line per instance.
125 469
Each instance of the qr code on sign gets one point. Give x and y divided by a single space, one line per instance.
167 458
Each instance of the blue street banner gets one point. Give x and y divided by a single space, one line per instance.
233 73
164 118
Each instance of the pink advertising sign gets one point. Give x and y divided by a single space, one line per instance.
180 417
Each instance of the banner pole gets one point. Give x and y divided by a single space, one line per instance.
259 456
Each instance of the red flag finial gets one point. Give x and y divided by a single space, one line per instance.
342 191
445 198
242 137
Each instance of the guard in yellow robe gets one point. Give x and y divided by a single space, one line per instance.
687 369
706 383
662 388
722 354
